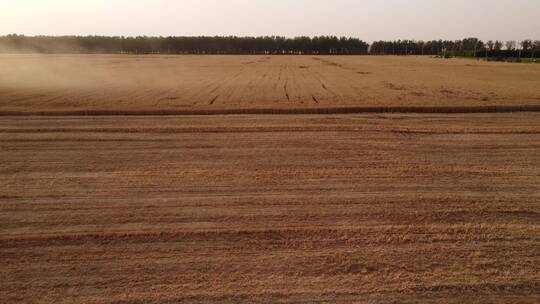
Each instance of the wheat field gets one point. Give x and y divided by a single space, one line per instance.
59 83
102 202
386 208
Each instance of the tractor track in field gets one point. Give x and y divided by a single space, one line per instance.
282 111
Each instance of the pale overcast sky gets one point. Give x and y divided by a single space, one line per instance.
368 20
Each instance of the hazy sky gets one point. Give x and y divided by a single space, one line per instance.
369 20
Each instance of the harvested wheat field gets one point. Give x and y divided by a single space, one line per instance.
149 84
372 208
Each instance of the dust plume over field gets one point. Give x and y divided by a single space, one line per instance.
260 209
122 83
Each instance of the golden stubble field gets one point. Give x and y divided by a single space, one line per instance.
259 209
357 208
34 83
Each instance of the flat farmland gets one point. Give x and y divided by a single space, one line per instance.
56 83
379 208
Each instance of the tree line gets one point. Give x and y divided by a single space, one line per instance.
468 47
327 45
323 45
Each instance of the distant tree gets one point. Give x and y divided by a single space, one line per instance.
498 45
519 49
535 48
510 45
526 45
490 44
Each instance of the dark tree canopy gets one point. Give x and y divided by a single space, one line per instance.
185 45
468 47
323 45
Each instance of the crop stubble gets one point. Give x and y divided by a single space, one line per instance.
224 209
386 208
124 84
